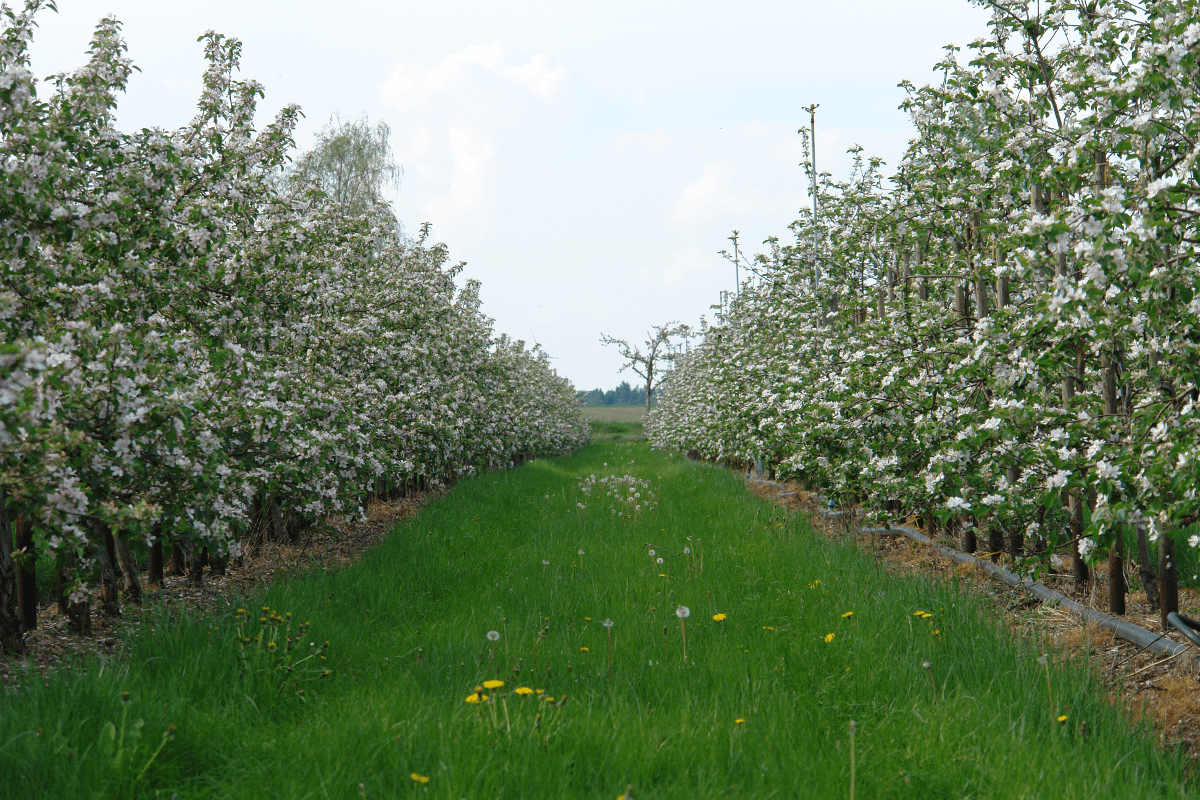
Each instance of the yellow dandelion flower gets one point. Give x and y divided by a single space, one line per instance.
548 699
1063 718
662 574
419 778
540 691
523 690
738 721
474 698
847 615
587 619
492 684
768 628
918 613
828 637
926 615
583 650
718 617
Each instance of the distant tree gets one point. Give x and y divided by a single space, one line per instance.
649 365
351 163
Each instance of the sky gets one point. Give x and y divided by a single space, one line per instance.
586 160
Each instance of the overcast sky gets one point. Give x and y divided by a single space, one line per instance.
587 160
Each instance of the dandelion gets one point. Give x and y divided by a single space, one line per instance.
918 613
540 691
523 690
1062 718
662 574
652 554
545 563
583 650
738 721
493 636
419 778
829 638
683 612
659 560
847 615
475 698
493 684
768 628
580 552
718 617
548 698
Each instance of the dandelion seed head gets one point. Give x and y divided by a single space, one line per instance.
659 560
608 623
683 612
493 635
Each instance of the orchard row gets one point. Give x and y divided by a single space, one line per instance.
193 344
1006 337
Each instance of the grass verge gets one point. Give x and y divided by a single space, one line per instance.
789 637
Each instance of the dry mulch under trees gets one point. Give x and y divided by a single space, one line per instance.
1163 691
54 646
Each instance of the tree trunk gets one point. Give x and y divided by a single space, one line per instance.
217 564
1146 572
79 614
1079 567
197 558
154 574
26 557
129 572
11 636
1168 581
110 604
1116 576
61 584
178 565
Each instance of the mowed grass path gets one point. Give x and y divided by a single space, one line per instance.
760 708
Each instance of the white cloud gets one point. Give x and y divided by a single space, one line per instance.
409 86
707 196
687 263
470 154
537 76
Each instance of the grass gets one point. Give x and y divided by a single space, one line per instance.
614 413
761 706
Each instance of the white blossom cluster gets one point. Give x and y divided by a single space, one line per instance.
1015 319
181 335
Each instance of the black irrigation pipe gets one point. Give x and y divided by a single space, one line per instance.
1157 644
1122 628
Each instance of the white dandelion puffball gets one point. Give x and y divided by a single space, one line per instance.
545 563
651 552
687 551
580 552
683 612
608 623
659 561
493 635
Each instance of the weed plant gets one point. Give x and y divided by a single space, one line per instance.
519 638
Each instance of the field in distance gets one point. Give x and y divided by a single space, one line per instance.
614 413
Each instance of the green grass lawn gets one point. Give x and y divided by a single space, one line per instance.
789 638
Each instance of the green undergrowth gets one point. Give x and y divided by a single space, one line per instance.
946 703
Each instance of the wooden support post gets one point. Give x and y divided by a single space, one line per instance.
1168 580
1116 554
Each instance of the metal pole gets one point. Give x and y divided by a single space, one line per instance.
737 275
812 119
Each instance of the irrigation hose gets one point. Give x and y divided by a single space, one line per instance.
1189 627
1122 628
1157 644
